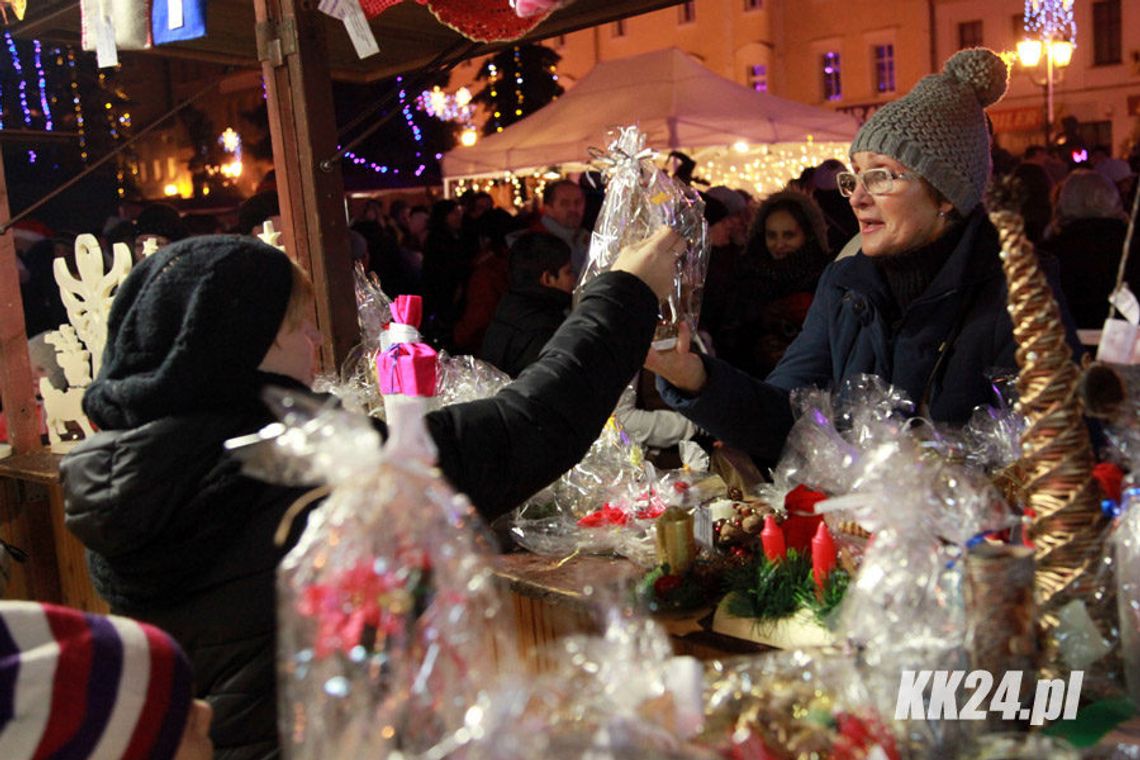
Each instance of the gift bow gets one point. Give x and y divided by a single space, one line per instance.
407 369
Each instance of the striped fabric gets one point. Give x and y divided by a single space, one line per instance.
76 685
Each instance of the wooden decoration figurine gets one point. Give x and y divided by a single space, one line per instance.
79 345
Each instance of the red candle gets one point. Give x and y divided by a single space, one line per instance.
823 555
772 537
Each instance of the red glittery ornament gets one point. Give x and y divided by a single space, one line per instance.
373 8
484 20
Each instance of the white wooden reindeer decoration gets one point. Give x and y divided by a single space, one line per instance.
79 345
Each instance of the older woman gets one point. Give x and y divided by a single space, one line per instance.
922 305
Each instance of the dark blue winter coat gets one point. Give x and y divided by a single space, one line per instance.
942 350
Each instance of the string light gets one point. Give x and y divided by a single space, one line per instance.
41 79
761 169
18 67
518 82
77 104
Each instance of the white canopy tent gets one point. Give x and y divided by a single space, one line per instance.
676 101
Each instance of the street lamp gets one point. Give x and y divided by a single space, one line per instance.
1051 35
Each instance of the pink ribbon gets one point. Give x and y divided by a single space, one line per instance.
408 369
408 310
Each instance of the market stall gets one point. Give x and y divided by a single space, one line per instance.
740 137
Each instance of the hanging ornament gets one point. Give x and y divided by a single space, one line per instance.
529 8
479 20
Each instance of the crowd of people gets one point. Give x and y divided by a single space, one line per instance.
888 266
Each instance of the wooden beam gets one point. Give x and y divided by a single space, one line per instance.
302 127
15 367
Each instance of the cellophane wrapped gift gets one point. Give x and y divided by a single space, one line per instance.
1126 547
391 624
356 385
606 504
796 704
905 608
622 694
465 378
640 198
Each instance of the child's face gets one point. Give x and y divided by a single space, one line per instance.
294 352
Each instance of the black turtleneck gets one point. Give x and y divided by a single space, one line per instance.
909 274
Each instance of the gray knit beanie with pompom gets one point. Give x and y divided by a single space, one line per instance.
938 129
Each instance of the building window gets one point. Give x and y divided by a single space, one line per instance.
687 12
1106 32
753 5
758 77
619 28
832 88
970 34
884 68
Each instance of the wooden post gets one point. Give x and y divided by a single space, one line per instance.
15 367
302 127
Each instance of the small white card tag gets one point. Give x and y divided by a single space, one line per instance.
1126 303
175 19
1117 342
106 54
358 29
355 23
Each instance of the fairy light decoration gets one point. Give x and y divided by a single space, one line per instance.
1050 19
18 67
77 104
41 81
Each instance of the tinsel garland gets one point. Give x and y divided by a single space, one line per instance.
1055 469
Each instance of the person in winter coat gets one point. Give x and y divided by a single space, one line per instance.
178 537
541 280
922 305
771 289
1087 238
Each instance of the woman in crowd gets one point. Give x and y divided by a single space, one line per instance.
178 537
1087 238
772 288
922 305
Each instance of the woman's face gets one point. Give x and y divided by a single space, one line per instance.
906 218
783 234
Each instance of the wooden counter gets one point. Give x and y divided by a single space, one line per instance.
555 597
31 518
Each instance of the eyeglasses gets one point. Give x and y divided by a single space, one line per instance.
876 181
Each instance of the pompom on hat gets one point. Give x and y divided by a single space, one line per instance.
188 329
938 130
76 685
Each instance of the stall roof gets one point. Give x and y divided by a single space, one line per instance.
675 100
409 36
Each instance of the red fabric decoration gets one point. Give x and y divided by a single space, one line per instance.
802 520
607 515
484 20
408 369
408 310
1111 479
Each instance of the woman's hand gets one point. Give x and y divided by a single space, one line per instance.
679 365
653 260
